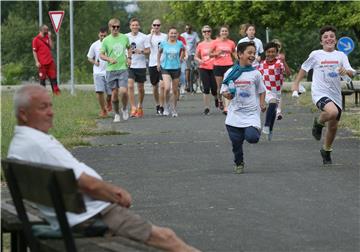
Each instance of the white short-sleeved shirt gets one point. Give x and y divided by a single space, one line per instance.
258 45
154 41
32 145
94 53
138 41
244 109
326 79
191 41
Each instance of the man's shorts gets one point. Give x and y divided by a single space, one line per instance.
189 60
137 74
325 100
100 84
48 70
155 75
123 222
174 73
117 79
219 71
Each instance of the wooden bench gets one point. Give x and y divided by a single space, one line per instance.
54 187
349 90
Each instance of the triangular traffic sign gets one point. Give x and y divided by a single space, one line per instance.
56 19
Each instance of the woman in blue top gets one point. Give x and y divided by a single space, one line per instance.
171 52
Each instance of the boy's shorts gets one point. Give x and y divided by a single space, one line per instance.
100 84
155 75
117 79
325 100
137 74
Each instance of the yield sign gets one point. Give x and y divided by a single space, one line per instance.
56 19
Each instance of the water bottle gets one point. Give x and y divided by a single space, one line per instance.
344 77
232 88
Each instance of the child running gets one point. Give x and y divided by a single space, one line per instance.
328 65
243 86
272 70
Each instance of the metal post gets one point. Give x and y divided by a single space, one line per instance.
267 34
40 13
71 49
58 57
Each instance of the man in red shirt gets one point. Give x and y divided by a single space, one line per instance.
42 45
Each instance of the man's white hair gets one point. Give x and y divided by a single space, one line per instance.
22 96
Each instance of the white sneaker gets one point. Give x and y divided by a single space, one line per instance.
117 118
302 89
266 130
166 111
174 113
125 114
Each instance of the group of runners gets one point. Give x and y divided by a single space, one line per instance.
239 79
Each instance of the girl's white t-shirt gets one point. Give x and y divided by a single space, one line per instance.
326 78
244 109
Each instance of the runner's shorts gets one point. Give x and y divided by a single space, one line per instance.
137 74
100 84
117 79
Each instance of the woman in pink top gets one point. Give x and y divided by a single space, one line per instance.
206 67
223 51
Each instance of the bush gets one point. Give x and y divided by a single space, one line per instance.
83 75
12 73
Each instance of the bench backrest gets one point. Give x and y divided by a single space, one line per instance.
33 180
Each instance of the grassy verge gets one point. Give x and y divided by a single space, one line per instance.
349 118
75 119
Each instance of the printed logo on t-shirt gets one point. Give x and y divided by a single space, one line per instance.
118 50
172 54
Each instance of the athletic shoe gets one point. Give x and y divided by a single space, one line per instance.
221 105
207 111
125 114
133 112
158 110
103 113
174 113
279 116
239 169
317 129
326 156
166 111
56 90
117 118
139 112
266 130
216 103
161 111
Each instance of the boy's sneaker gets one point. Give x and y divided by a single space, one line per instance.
266 130
326 156
158 110
125 114
161 111
207 111
139 112
117 118
317 129
133 112
166 111
279 116
174 113
239 169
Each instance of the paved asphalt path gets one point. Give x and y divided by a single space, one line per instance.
180 174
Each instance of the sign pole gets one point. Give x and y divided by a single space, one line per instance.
40 13
58 57
71 48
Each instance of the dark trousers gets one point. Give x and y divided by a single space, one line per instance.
271 115
237 137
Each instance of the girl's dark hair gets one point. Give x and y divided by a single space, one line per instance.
241 47
327 28
271 45
248 26
172 27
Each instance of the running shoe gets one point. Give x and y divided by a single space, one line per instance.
239 169
139 113
207 111
266 130
317 129
279 116
117 118
166 111
158 110
326 156
133 112
216 103
125 114
174 113
56 90
161 110
103 113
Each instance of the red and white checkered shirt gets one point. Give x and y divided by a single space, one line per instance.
273 74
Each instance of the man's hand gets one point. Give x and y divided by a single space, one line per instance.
121 196
49 34
37 63
112 61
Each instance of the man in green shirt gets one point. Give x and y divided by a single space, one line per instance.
113 50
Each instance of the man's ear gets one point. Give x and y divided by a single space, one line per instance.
22 115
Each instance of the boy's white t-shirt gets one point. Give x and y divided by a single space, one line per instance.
326 78
94 53
139 41
154 41
244 109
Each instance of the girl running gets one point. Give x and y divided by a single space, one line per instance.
250 36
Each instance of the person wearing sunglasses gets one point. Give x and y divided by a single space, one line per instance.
155 38
113 50
137 72
206 66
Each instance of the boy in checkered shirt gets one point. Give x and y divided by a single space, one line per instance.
272 70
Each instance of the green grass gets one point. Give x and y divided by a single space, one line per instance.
75 119
349 118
